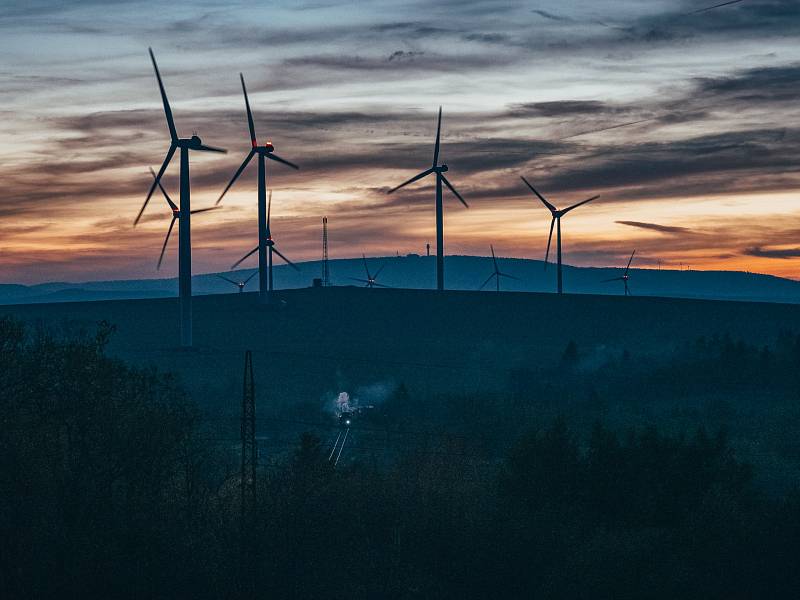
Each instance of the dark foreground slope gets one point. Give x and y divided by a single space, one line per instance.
323 341
112 488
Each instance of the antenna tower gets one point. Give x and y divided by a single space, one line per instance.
326 276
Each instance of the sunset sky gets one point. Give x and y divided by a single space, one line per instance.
687 124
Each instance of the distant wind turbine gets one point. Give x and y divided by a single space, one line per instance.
268 243
625 276
439 170
263 151
176 215
497 274
240 283
371 280
184 228
557 214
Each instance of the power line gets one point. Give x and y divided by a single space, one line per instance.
248 478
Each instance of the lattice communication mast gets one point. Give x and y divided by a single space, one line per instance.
326 276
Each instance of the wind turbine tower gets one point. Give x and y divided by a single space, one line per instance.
439 170
263 151
372 279
625 277
184 222
241 283
496 274
556 220
271 249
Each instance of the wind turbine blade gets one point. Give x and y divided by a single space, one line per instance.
549 239
438 138
202 210
412 180
236 175
452 189
204 148
494 259
253 274
166 240
249 114
173 134
483 285
244 258
542 198
366 268
226 279
286 260
277 158
612 279
357 279
574 206
380 285
163 191
378 272
163 168
506 275
630 260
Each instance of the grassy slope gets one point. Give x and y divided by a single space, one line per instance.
326 340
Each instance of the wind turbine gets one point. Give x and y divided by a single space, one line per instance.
240 283
370 281
625 276
263 152
184 227
268 243
176 215
439 170
557 214
497 274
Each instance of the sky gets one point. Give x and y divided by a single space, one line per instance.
686 123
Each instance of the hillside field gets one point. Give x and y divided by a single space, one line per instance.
317 342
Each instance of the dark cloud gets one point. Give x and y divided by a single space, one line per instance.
762 252
656 227
487 38
399 55
551 16
561 108
389 64
715 163
757 85
678 26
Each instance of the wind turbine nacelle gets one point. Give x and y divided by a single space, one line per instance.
443 169
269 242
195 141
269 147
